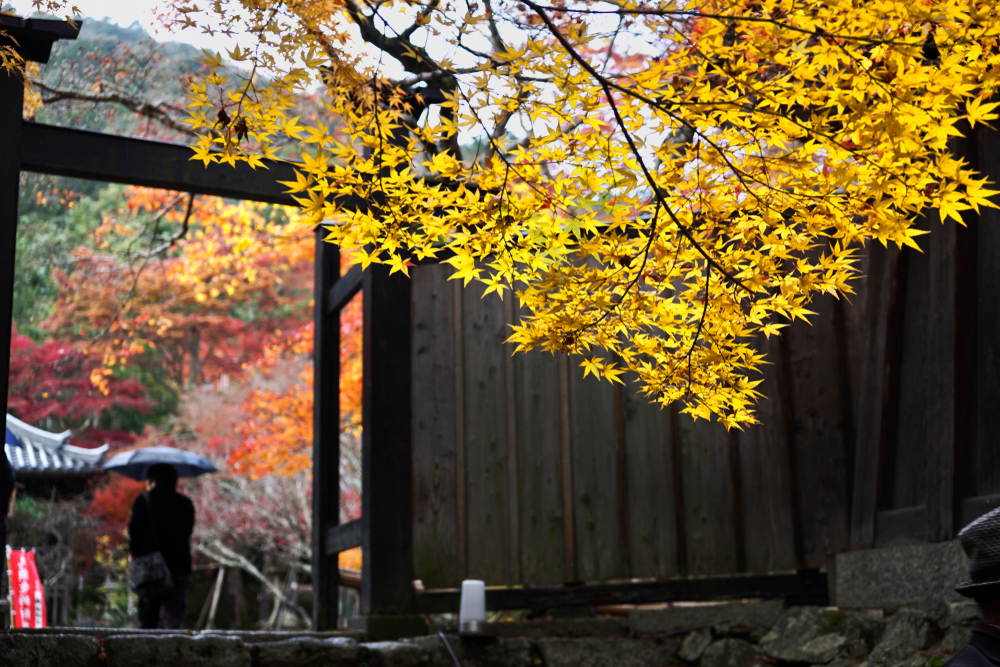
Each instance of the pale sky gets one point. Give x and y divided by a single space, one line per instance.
127 12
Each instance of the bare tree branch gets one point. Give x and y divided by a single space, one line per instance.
156 112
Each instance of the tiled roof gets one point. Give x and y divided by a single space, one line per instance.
49 453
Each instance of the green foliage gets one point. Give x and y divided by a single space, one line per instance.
56 215
29 510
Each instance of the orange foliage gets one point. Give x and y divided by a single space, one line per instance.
177 304
277 435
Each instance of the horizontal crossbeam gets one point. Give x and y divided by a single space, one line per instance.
344 536
344 290
65 151
803 587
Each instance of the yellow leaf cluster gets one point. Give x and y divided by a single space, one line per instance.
658 181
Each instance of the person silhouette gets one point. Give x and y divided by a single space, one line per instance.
162 520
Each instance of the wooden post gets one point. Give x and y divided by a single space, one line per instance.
387 538
941 376
326 435
11 101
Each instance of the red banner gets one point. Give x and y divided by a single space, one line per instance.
27 599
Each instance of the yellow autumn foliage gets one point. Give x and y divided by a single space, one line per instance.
658 181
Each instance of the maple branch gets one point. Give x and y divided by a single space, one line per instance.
495 38
421 20
413 58
687 13
155 112
606 86
176 237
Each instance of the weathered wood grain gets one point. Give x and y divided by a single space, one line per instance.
708 497
966 367
904 480
767 496
435 502
651 511
985 464
513 471
387 445
458 335
598 553
818 433
939 414
880 301
540 504
566 470
488 553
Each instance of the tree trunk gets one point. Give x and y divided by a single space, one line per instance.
194 356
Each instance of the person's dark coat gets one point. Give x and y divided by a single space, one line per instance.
983 650
173 518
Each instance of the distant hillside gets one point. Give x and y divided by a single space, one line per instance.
109 58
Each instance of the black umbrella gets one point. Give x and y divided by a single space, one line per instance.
134 464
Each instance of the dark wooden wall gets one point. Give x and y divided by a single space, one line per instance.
880 427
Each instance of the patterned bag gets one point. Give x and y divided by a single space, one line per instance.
150 574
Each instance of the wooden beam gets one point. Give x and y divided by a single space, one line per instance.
940 377
882 292
11 100
803 587
65 151
387 465
326 437
33 38
344 290
344 536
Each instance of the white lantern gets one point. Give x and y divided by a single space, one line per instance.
472 612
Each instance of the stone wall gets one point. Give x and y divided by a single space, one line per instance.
922 634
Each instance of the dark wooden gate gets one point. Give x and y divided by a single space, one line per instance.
879 427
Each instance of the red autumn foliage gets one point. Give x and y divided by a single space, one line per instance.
50 382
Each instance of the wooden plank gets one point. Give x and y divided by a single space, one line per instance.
539 462
881 293
387 472
736 479
97 156
766 483
820 433
708 497
677 462
803 587
940 378
966 366
904 480
651 512
33 38
461 498
435 503
513 500
985 463
344 289
485 436
621 480
326 436
971 509
11 99
566 470
907 525
595 476
344 536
